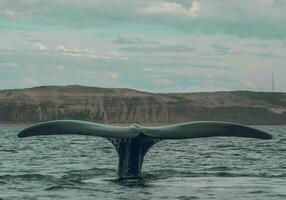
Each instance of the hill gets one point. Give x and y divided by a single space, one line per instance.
107 105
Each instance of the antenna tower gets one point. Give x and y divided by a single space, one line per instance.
273 83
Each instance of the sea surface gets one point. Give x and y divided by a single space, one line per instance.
84 167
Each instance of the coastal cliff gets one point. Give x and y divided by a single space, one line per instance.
121 106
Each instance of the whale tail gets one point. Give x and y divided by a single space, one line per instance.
133 141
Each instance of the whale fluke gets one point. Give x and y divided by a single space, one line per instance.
202 129
133 141
76 127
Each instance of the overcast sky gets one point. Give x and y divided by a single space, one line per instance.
158 46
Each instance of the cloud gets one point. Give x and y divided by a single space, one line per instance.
190 43
173 8
248 85
163 81
61 47
243 18
87 53
9 65
220 48
31 82
196 8
19 9
159 78
112 75
128 40
60 67
39 47
101 75
75 52
31 69
176 48
5 49
9 13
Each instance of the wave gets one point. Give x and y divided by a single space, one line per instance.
27 177
221 171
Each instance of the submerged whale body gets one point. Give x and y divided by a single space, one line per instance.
133 141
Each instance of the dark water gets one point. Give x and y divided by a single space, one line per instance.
82 167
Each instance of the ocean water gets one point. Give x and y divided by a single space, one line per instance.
84 167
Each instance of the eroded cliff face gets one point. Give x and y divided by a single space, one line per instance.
121 106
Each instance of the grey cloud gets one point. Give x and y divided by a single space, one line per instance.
220 48
244 18
160 48
128 40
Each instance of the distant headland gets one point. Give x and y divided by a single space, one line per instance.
122 106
